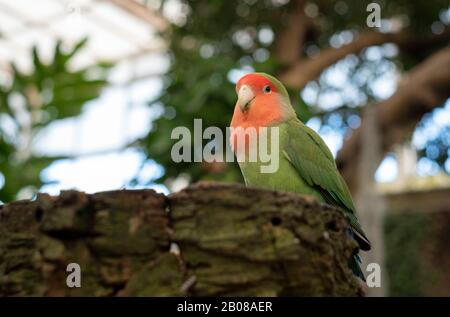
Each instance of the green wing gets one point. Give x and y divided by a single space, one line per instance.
314 162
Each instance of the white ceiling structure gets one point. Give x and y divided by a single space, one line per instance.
120 31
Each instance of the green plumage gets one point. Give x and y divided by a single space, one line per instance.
306 166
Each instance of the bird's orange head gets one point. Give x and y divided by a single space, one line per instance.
262 101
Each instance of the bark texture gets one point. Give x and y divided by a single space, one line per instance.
207 240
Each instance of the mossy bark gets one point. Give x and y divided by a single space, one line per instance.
207 240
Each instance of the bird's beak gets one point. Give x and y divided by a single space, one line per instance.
245 97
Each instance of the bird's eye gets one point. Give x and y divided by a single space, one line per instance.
266 89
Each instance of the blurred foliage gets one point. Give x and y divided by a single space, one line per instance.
51 91
219 38
417 253
404 236
436 149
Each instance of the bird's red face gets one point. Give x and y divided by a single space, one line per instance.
258 103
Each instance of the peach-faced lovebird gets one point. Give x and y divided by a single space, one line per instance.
305 165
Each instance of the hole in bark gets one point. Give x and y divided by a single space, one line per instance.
117 288
332 226
276 221
38 214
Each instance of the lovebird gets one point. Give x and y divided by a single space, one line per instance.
306 165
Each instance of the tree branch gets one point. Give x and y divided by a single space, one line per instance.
305 70
290 41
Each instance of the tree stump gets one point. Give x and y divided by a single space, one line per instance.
207 240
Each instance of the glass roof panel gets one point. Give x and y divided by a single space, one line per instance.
37 37
8 23
123 22
118 31
33 11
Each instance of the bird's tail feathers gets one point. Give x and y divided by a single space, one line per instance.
355 265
